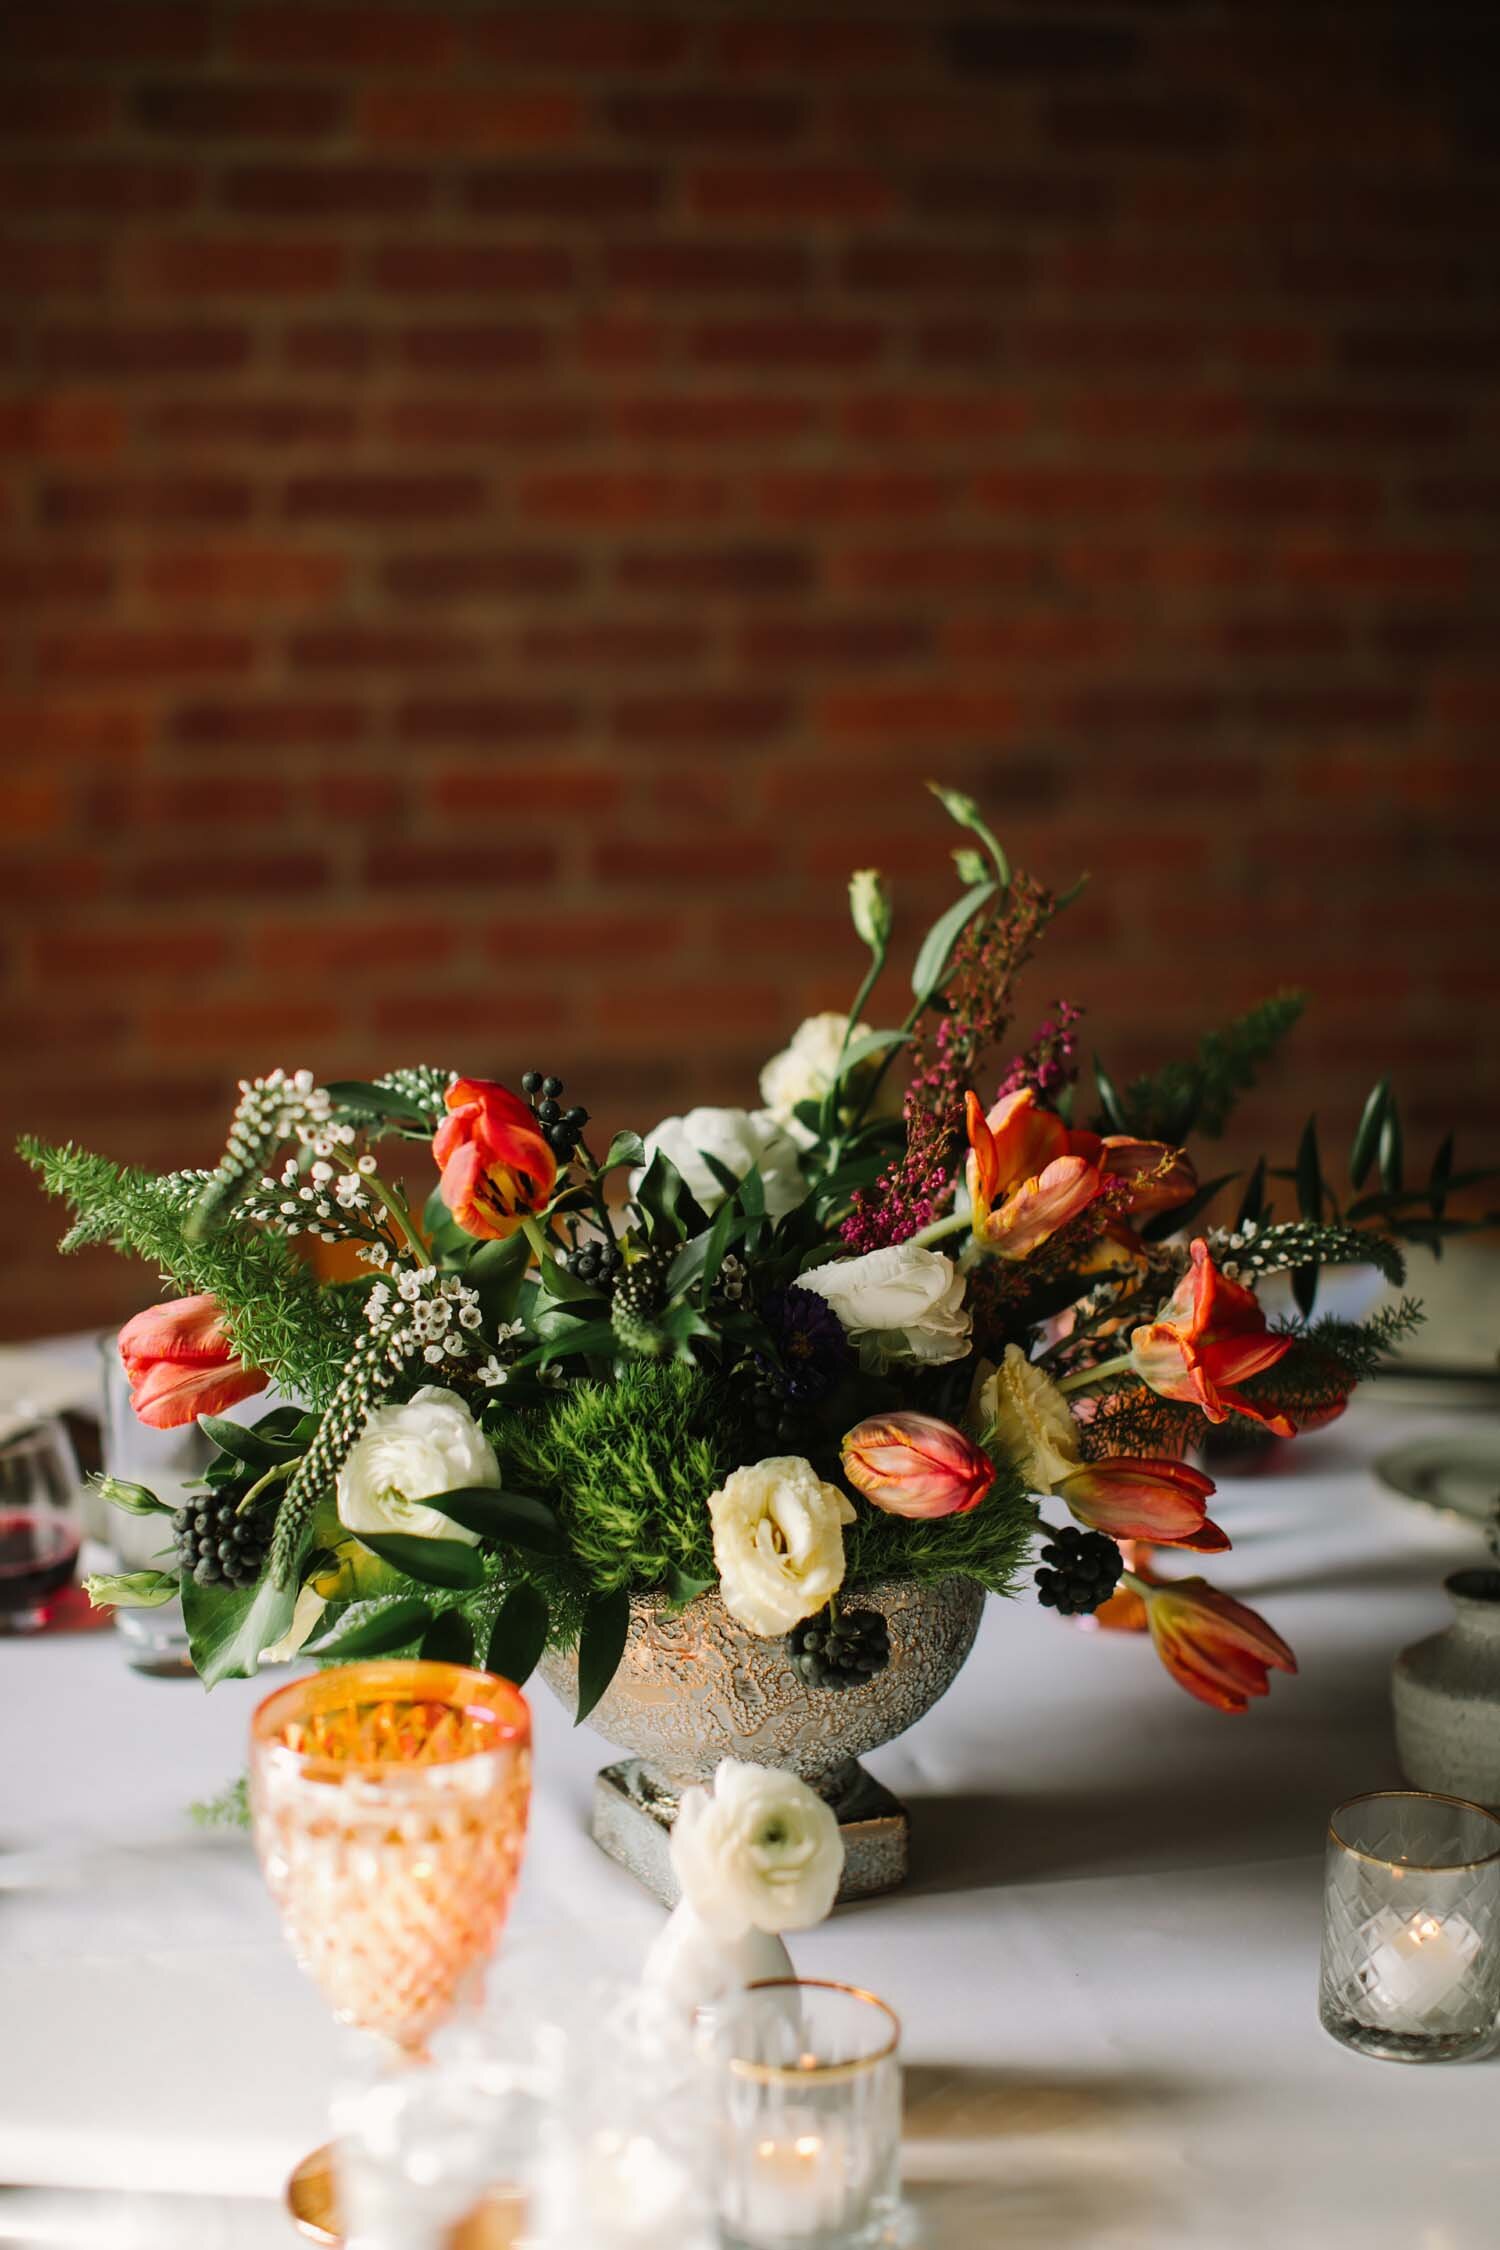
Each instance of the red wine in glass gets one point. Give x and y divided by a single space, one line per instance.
38 1551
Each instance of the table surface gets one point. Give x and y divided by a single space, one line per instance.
1105 1960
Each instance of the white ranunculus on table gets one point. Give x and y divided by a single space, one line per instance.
1106 1962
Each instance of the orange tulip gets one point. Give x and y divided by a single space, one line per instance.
1161 1502
180 1363
1212 1336
1214 1647
1025 1181
496 1166
1159 1177
915 1465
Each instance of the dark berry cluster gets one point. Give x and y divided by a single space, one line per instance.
214 1545
1084 1571
842 1651
560 1127
596 1263
777 1422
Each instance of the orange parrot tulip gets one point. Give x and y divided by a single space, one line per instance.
915 1465
1217 1649
1160 1502
181 1364
1211 1336
496 1166
1025 1180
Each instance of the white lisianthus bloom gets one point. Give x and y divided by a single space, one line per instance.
1021 1411
899 1303
310 1607
760 1851
778 1542
740 1140
804 1071
408 1454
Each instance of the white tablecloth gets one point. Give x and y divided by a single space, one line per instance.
1106 1959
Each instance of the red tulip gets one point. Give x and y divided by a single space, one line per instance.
1161 1502
915 1465
495 1163
1214 1647
1212 1336
181 1363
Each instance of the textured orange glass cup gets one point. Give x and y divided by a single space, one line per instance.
389 1805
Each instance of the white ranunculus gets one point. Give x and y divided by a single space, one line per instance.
1023 1413
899 1303
761 1851
408 1454
778 1542
804 1071
740 1139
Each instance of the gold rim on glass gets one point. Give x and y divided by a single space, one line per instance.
414 1679
808 2071
1414 1797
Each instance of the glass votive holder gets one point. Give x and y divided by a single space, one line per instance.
810 2117
1411 1927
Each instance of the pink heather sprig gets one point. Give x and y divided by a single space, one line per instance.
917 1186
1050 1064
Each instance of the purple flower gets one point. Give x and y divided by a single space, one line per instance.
810 1342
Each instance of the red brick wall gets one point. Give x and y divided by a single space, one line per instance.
500 508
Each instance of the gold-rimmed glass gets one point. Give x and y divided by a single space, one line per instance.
810 2116
1411 1926
389 1804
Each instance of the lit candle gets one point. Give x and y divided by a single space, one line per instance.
1417 1963
796 2184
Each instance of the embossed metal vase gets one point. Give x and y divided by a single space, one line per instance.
694 1687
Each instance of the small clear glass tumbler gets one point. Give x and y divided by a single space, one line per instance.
1411 1927
810 2118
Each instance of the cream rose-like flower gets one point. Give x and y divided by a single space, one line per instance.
778 1542
804 1071
740 1140
759 1851
408 1454
899 1303
1029 1419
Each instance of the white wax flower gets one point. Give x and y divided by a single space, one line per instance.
899 1303
1030 1419
740 1140
778 1542
761 1851
408 1454
804 1071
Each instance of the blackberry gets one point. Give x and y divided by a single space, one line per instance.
840 1651
596 1263
560 1128
217 1547
1085 1570
637 1297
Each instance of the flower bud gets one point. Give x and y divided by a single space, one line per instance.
870 905
915 1465
135 1499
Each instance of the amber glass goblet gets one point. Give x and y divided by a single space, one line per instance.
389 1805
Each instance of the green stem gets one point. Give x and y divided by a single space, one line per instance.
867 986
1100 1374
532 1228
596 1191
395 1202
261 1484
877 1075
955 1223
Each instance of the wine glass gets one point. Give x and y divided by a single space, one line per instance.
41 1520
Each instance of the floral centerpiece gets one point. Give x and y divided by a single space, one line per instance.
773 1358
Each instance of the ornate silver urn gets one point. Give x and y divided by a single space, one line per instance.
694 1687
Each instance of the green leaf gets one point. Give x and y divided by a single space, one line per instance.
432 1562
625 1148
1109 1100
683 1588
289 1426
245 1445
701 1259
966 812
374 1628
228 1626
666 1202
1309 1173
519 1634
1367 1132
449 1639
601 1644
584 1337
133 1499
937 947
516 1518
131 1589
871 1043
377 1101
1391 1165
1253 1202
752 1195
497 1271
1305 1289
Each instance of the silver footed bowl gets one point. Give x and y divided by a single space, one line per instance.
694 1687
